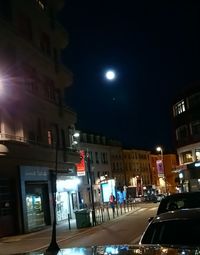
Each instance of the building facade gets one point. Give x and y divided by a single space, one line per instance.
137 169
34 121
186 119
165 183
97 149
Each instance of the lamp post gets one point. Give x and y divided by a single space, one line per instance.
91 190
53 247
160 149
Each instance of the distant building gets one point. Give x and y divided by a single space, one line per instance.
137 169
117 164
186 118
97 148
167 183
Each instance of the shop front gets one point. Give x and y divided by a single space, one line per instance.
194 171
35 190
67 199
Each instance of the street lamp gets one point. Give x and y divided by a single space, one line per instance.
53 247
91 190
160 149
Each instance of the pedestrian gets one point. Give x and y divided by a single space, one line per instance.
112 202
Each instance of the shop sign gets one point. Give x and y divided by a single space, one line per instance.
80 167
160 168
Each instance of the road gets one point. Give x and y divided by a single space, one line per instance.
125 229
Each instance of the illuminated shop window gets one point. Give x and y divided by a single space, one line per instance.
187 156
179 108
197 154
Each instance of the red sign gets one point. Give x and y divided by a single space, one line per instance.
160 168
80 167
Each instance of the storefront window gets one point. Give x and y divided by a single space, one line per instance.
197 154
62 206
187 156
35 213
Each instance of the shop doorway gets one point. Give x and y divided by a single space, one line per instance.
37 205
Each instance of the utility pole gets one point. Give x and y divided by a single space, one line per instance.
91 190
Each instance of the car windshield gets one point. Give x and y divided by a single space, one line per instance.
174 232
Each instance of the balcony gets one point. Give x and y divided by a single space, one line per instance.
31 152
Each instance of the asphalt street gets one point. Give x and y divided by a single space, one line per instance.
40 240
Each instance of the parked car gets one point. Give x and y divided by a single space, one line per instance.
174 228
179 201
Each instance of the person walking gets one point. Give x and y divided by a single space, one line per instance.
112 202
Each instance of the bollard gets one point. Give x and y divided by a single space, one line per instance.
102 210
69 221
108 213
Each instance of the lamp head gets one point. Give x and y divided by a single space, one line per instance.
159 148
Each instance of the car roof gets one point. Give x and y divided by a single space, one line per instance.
183 194
191 200
182 214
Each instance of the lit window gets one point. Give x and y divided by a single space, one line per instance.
187 156
197 154
50 138
179 108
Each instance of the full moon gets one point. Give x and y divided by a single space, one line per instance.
110 75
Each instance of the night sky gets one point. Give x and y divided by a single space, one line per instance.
154 46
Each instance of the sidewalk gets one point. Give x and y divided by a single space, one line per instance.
40 240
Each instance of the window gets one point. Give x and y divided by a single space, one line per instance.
30 77
50 137
97 157
179 108
25 27
91 157
182 132
194 100
197 154
45 43
195 128
49 90
187 156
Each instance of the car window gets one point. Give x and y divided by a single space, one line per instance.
174 203
176 232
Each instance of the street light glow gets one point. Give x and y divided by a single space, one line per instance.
110 75
159 149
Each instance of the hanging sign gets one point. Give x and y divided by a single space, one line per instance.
80 167
160 168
